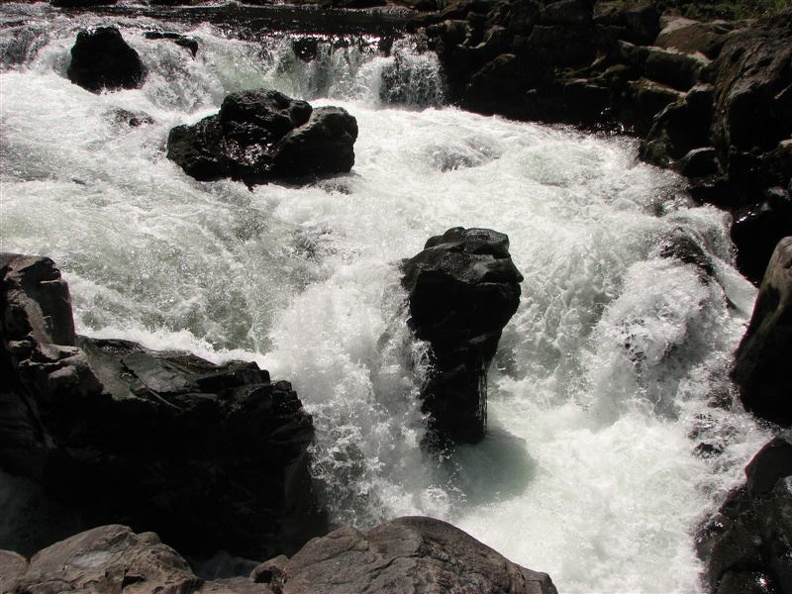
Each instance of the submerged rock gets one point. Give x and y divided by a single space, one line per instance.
102 60
762 362
463 288
262 135
211 456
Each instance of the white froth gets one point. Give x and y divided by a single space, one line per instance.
603 375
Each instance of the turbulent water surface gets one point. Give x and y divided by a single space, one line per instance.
608 380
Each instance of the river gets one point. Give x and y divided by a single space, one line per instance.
609 438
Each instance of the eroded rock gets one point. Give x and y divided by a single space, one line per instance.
406 555
463 288
203 453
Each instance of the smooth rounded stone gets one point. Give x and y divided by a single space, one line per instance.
404 556
762 369
188 43
102 60
690 36
462 290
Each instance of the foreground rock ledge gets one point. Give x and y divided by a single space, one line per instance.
210 456
409 555
462 288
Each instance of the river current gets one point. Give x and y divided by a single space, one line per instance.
611 434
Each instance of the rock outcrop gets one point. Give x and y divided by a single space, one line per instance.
263 135
762 362
211 456
747 544
463 288
403 556
412 554
102 60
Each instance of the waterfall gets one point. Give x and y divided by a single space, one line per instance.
612 427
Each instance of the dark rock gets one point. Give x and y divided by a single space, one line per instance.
747 544
752 77
690 37
132 119
761 369
323 146
188 43
638 25
756 229
684 248
101 59
306 48
152 438
679 128
645 100
675 69
463 288
262 135
699 162
81 3
405 555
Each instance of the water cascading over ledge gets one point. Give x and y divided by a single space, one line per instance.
608 396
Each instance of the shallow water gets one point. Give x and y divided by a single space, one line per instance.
606 379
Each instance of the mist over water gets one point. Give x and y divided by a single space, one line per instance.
608 379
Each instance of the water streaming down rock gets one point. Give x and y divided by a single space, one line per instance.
611 427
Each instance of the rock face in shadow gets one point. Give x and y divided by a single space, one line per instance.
463 288
406 555
211 456
102 60
747 544
263 135
762 362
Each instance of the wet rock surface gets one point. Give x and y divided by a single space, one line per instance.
762 362
102 60
262 135
211 456
746 545
462 288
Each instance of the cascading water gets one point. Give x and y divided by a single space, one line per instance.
611 430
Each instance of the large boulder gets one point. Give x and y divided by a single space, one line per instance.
406 555
762 362
211 456
747 544
261 135
102 60
462 288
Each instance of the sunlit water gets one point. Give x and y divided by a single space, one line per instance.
606 379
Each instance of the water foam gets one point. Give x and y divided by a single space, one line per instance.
608 380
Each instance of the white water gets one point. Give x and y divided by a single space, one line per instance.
604 381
